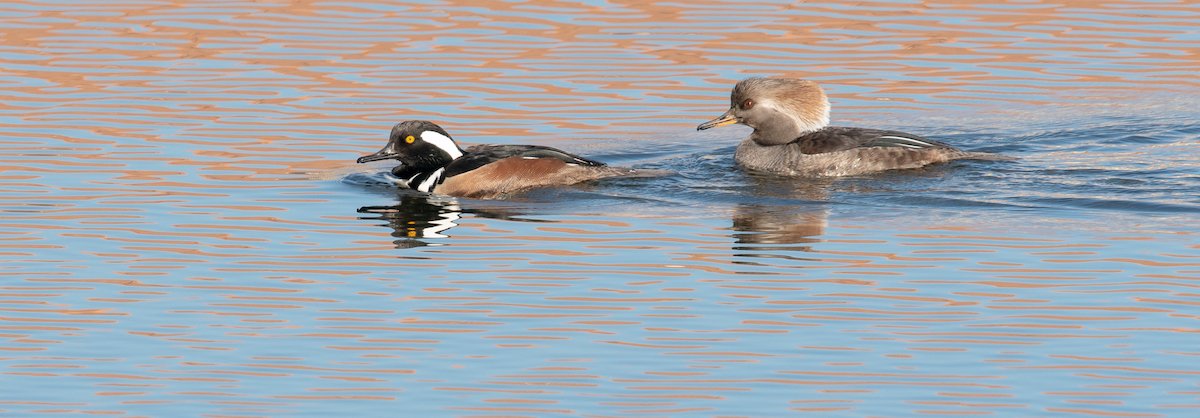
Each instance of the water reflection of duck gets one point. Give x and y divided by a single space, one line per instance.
417 217
430 159
784 223
770 224
792 135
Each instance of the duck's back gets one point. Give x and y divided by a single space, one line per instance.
480 155
488 171
845 151
837 138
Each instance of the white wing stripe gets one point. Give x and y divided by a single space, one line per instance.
911 142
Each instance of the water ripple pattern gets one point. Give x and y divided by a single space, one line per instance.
184 232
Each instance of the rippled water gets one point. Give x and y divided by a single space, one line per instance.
184 230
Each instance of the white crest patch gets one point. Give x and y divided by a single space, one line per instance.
443 142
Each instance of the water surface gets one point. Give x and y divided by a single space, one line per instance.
184 231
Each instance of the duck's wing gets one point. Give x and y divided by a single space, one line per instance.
833 139
481 155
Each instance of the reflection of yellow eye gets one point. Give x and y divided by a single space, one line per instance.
409 139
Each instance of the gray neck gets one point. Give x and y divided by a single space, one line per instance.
783 127
776 134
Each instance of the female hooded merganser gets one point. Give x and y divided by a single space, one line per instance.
792 135
430 159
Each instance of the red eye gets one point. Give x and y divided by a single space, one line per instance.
747 104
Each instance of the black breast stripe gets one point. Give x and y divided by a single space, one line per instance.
414 178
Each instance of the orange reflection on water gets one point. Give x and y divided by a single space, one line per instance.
176 233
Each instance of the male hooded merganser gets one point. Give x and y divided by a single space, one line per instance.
430 159
792 135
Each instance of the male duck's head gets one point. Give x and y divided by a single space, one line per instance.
419 145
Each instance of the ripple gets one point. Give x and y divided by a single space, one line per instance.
185 230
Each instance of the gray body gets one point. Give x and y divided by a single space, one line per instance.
839 151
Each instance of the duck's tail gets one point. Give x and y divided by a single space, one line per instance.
985 156
638 172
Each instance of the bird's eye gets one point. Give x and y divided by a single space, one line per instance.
409 139
747 104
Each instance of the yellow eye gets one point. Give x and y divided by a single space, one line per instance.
409 139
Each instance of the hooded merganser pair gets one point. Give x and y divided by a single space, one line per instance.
791 136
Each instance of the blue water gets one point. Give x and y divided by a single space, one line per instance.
185 233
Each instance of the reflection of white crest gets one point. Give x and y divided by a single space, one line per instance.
450 212
446 222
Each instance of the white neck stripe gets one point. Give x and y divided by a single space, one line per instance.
443 142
